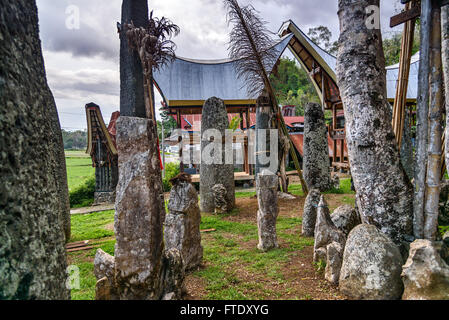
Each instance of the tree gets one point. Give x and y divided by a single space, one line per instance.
392 46
322 36
384 192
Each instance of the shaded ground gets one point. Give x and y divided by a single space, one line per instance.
232 267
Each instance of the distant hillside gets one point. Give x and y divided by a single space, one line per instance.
74 140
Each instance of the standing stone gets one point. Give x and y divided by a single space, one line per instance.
425 274
372 266
333 262
182 224
132 103
267 197
325 232
220 193
214 169
345 218
34 216
140 267
384 192
310 210
316 150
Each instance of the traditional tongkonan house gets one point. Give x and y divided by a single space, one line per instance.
101 146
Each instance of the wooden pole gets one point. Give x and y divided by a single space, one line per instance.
435 129
402 82
422 120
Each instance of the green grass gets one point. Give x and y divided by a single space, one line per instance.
79 168
91 226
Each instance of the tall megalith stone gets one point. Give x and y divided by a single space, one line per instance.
214 167
34 215
267 197
142 269
316 150
182 224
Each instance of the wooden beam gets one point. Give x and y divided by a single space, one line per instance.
405 16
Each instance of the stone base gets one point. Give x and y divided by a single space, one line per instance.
104 197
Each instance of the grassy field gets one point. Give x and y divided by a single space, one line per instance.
79 167
232 266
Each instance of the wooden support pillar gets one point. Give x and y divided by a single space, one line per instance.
178 123
402 82
342 150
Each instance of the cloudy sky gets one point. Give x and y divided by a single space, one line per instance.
83 63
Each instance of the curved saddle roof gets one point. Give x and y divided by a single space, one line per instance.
191 82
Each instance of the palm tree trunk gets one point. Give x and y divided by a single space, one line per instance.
435 129
384 193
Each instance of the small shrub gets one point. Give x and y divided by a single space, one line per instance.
83 195
171 171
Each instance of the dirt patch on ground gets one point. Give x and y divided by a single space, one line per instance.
298 278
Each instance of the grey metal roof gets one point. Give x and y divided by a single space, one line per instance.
197 80
188 79
331 62
392 76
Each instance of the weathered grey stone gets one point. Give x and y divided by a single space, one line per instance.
267 197
335 181
34 213
425 274
325 232
173 275
316 150
384 192
334 252
214 170
345 218
104 265
103 289
372 266
140 212
286 196
182 224
104 197
310 210
220 194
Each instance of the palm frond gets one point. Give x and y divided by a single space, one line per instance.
251 45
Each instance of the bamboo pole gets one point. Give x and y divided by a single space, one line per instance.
422 121
402 82
435 128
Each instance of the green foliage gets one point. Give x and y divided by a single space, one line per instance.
392 46
235 123
171 171
292 85
83 195
169 124
322 36
75 140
